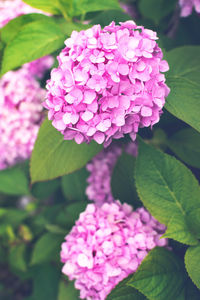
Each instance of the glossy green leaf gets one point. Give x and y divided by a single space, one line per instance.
193 221
122 181
124 292
74 185
184 78
161 275
53 156
13 182
168 189
192 262
34 40
44 5
11 29
86 6
186 145
46 248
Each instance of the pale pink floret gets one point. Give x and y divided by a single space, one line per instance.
108 83
188 5
20 116
100 168
106 245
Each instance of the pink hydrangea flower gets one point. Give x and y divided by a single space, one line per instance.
108 83
39 66
10 9
107 244
188 5
100 168
20 115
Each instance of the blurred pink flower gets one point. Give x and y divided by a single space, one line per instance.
100 168
20 115
10 9
107 244
188 5
108 83
39 66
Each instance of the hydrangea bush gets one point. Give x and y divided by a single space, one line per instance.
99 150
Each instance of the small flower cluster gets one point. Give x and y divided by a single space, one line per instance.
100 168
106 244
188 5
20 115
108 83
10 9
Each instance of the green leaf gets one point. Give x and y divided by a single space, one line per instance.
84 6
124 292
184 79
46 248
186 145
16 257
68 27
70 214
10 30
45 5
67 289
180 230
189 292
43 190
106 17
13 182
74 185
168 189
156 9
161 275
53 156
45 282
192 263
122 181
34 40
193 220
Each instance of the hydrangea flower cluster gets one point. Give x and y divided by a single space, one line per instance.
108 83
100 168
188 5
106 244
20 115
10 9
